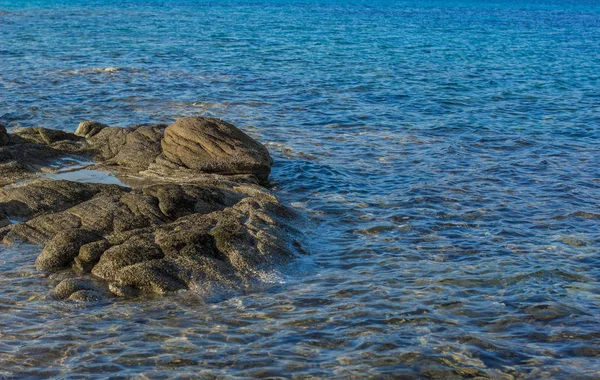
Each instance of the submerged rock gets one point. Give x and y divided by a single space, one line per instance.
196 212
78 289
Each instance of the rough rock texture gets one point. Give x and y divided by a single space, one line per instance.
195 215
136 147
214 146
89 128
78 289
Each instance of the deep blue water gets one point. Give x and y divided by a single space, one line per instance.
445 153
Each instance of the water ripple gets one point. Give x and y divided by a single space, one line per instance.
444 154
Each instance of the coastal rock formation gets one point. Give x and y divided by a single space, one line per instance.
193 213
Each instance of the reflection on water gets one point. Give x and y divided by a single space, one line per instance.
87 175
446 155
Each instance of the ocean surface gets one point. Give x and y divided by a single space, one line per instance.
445 154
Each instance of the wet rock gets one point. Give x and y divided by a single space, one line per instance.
118 213
573 241
89 128
66 288
22 161
108 142
89 255
4 138
31 151
135 250
195 214
176 201
11 171
86 296
63 248
121 290
214 146
152 276
141 148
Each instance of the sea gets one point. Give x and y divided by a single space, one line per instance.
444 157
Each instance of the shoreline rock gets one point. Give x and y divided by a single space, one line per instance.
196 212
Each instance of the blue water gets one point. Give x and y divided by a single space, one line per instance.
445 153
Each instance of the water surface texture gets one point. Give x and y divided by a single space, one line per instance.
446 155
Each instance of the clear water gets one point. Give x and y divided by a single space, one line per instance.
446 154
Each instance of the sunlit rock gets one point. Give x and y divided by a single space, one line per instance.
194 212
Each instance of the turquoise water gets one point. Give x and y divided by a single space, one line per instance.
445 154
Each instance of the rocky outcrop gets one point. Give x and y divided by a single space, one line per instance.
195 213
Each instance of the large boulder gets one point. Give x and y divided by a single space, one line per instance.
214 146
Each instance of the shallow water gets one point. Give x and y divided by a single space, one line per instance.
445 154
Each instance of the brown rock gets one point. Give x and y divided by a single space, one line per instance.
194 216
214 146
89 128
63 248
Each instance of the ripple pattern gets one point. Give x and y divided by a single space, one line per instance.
445 154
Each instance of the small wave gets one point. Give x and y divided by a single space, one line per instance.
270 277
289 152
97 70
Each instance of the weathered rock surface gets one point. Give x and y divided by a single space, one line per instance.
89 128
196 214
214 146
